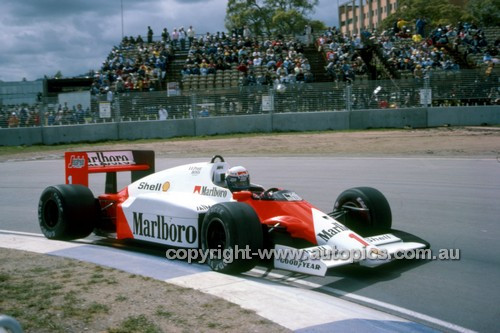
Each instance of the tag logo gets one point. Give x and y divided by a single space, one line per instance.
76 162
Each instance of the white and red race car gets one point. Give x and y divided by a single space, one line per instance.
190 207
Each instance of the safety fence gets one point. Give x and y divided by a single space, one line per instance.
436 89
462 88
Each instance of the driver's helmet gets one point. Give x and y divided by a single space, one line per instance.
237 179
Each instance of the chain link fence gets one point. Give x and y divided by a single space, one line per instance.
445 88
435 89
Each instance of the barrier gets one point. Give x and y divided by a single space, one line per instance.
233 124
391 118
159 129
79 133
311 121
463 116
265 123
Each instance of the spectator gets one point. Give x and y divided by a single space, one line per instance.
13 120
165 36
420 26
190 34
23 117
150 35
308 34
418 73
246 32
80 114
204 112
182 38
4 119
175 39
51 119
242 67
162 113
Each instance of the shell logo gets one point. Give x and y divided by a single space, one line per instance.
165 187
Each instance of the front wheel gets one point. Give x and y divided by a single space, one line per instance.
364 210
67 212
231 233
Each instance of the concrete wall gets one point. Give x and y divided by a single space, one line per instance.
20 136
308 121
311 121
463 116
392 118
79 133
234 124
154 129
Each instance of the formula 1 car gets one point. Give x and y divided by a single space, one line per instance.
190 207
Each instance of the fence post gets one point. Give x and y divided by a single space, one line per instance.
427 87
348 97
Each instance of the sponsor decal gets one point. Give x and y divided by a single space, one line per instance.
154 187
195 171
359 239
300 264
336 228
77 162
161 227
382 238
165 187
107 158
291 196
210 191
202 208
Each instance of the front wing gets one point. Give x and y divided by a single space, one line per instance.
317 260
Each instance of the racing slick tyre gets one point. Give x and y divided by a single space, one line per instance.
228 229
67 212
365 210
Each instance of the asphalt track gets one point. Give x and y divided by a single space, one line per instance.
454 203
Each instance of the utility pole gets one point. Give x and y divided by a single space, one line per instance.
121 2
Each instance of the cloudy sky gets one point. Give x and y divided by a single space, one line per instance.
41 37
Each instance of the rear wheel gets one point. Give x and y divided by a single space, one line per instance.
228 230
67 212
364 210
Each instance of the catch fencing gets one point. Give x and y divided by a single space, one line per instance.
444 88
436 89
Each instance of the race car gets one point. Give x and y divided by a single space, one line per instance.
191 207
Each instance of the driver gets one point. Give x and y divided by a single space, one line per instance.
238 179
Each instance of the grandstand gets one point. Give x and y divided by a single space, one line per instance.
216 61
222 74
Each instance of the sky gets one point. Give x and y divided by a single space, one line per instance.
42 37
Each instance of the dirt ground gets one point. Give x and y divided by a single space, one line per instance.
443 141
53 294
49 294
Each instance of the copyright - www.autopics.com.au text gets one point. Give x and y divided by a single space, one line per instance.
229 255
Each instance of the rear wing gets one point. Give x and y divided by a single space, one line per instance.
79 165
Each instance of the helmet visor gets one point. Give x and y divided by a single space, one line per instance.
241 182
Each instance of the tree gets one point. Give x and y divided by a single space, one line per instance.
435 12
484 12
270 16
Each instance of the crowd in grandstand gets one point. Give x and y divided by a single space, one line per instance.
19 116
29 116
407 49
138 65
280 59
134 65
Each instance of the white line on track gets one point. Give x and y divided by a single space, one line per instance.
381 306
